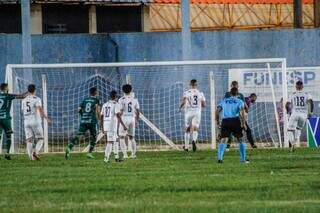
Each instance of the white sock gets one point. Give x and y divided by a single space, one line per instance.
39 146
291 137
130 145
108 151
186 140
123 147
297 137
30 150
134 146
194 136
116 149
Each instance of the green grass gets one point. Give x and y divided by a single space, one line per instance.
275 181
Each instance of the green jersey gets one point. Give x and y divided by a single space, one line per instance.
88 109
239 96
5 105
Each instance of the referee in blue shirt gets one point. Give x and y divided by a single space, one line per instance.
233 122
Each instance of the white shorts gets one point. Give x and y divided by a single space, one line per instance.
33 129
297 120
130 123
110 128
192 118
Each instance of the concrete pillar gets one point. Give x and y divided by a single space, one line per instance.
36 19
145 18
92 19
297 13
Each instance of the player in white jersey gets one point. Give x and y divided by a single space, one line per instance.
33 114
110 118
193 100
130 115
301 106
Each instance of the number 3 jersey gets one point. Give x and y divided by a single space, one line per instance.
30 109
194 98
299 102
88 111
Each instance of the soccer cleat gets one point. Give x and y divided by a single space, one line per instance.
194 146
254 146
35 156
68 152
125 157
133 156
292 149
246 161
220 161
7 156
106 160
228 147
118 160
185 149
90 156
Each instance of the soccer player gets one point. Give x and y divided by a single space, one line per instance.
130 115
33 114
5 117
89 111
193 100
233 122
234 84
248 101
110 117
301 105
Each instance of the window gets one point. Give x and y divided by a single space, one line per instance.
119 19
10 18
59 18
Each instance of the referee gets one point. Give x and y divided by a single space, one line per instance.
233 122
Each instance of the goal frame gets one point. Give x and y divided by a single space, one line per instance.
9 79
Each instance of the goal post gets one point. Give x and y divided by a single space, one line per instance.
158 86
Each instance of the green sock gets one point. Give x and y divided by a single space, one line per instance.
92 144
8 143
73 142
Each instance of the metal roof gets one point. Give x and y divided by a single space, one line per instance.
79 1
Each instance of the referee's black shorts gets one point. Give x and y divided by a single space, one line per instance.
231 126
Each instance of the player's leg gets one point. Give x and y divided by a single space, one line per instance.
93 139
224 133
237 132
300 124
195 130
249 136
38 134
75 140
229 141
6 125
131 139
29 140
122 138
187 134
292 126
109 144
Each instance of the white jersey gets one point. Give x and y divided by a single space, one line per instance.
129 106
109 112
194 99
30 108
299 102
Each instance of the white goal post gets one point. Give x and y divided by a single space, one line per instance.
159 126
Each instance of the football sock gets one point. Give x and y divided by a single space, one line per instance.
297 136
186 140
108 151
242 150
74 141
221 149
116 149
134 146
123 147
93 140
8 143
195 136
30 149
39 146
291 137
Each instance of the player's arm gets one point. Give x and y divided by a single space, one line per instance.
288 106
98 111
183 102
120 120
20 96
218 110
310 106
243 117
101 118
137 112
203 101
43 114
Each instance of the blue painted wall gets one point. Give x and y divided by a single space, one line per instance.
300 47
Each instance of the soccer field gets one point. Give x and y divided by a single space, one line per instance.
275 181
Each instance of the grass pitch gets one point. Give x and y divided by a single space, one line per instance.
275 181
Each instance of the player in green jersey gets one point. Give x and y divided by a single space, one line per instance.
89 111
5 117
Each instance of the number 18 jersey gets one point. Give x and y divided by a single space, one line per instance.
299 102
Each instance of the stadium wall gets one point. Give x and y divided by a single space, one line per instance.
301 47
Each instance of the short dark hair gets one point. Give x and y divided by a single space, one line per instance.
93 90
233 83
253 95
3 86
113 94
127 88
234 91
31 88
299 83
193 82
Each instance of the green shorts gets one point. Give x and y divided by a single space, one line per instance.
5 124
84 127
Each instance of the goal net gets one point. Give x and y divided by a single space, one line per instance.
159 87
